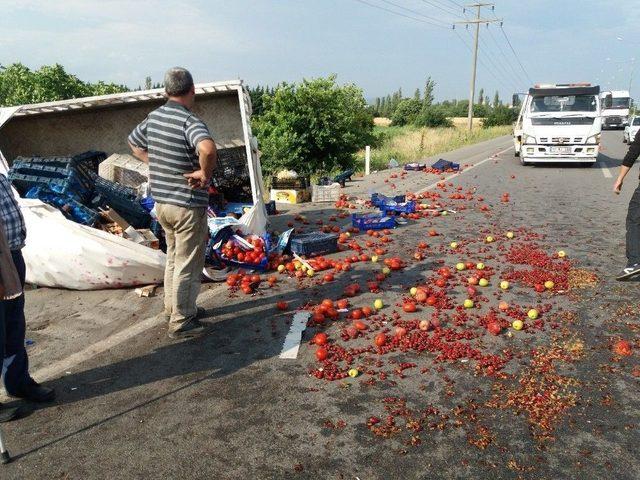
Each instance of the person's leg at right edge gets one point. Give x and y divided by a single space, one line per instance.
633 238
190 236
6 414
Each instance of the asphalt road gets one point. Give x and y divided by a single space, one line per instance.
226 406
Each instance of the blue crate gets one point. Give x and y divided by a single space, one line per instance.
372 221
68 185
217 252
314 243
407 207
378 199
123 200
70 207
443 165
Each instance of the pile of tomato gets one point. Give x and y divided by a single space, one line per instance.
243 254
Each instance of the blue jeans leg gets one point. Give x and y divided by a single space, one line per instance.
15 367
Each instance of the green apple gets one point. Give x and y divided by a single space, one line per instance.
480 266
468 303
509 234
378 304
483 282
386 270
532 314
504 285
549 285
489 239
374 259
460 266
562 254
454 245
413 291
517 324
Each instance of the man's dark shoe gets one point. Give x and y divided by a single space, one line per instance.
36 393
200 313
8 413
191 328
629 272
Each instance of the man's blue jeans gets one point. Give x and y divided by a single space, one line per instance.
15 367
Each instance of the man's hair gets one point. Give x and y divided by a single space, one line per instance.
177 82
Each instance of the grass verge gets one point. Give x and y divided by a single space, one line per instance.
410 144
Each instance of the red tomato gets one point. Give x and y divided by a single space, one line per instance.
240 257
332 313
441 282
282 305
318 318
320 339
409 307
431 300
494 328
321 354
247 289
421 295
328 277
380 340
367 311
360 325
343 303
327 302
401 332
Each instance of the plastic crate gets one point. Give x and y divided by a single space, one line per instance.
378 199
372 221
124 201
231 176
70 207
69 183
407 207
415 166
299 183
443 165
325 193
271 208
125 170
262 266
314 243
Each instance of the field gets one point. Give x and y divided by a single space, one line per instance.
409 144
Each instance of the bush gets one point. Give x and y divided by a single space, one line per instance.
406 112
500 115
313 127
433 117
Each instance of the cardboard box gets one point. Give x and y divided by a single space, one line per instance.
291 196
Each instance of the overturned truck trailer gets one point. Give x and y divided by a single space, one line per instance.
61 253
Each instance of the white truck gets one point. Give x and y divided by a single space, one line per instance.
559 123
616 115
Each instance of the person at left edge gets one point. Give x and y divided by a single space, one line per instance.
15 367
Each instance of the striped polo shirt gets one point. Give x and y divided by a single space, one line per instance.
170 134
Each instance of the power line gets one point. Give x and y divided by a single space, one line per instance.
516 72
515 54
456 4
463 40
497 65
449 12
388 2
400 14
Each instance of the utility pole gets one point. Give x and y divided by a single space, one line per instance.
477 21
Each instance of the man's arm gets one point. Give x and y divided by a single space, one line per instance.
139 143
139 153
208 159
629 159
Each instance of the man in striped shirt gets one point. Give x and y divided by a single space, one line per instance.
181 155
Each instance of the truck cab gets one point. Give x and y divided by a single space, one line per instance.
559 123
616 114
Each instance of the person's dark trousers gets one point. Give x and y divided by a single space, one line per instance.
15 367
633 229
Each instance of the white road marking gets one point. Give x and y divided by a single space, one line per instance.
464 170
294 337
606 172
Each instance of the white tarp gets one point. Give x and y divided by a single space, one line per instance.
61 253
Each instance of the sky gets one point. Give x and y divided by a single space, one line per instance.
268 41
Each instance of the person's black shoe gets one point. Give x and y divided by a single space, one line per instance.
628 272
36 393
8 413
200 313
191 328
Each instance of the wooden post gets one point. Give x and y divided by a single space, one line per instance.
367 159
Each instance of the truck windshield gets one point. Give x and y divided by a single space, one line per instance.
636 121
620 103
569 103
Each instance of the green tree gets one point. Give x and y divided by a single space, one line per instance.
428 96
496 100
148 83
433 116
314 126
481 96
500 115
416 94
406 112
19 85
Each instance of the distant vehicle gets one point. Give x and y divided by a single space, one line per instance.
630 130
559 123
616 115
